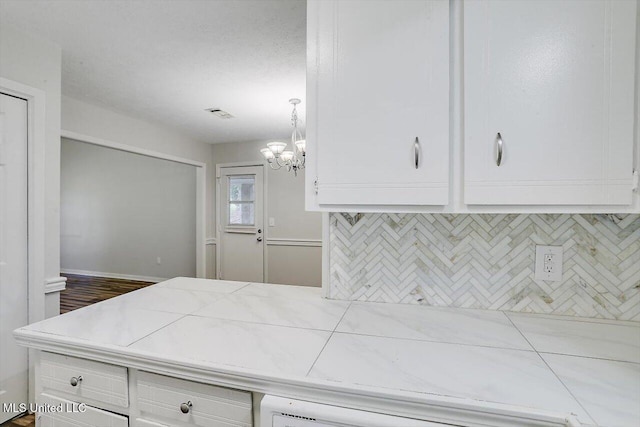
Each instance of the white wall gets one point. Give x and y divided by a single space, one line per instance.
121 211
37 63
287 264
90 120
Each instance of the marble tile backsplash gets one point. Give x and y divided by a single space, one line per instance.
487 261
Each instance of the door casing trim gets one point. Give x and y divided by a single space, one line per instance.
36 209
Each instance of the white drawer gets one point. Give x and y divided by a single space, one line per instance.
160 397
91 417
100 382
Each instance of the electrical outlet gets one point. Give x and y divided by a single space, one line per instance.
548 263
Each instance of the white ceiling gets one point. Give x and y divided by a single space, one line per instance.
165 61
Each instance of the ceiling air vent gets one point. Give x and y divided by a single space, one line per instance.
220 113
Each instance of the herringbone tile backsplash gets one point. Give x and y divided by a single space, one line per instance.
487 261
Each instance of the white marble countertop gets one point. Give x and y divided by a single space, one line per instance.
409 360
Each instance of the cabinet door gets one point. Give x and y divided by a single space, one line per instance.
70 414
556 80
380 95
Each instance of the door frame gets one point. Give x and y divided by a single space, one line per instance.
219 243
36 142
201 193
36 209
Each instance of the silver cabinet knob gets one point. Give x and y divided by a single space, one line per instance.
74 381
186 407
498 149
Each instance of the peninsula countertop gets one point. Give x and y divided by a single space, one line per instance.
442 364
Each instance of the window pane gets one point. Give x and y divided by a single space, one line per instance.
241 188
241 213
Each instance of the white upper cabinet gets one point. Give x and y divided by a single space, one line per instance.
378 102
555 80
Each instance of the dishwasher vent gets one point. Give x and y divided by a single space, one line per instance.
284 414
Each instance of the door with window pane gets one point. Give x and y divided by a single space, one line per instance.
241 223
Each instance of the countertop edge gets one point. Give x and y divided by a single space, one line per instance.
437 408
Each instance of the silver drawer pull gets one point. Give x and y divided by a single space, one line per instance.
416 152
498 149
186 407
74 381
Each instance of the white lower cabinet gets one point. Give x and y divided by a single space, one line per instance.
95 383
172 401
72 414
74 392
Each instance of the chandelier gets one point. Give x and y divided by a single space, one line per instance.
276 152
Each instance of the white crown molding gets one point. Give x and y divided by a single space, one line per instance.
55 284
113 275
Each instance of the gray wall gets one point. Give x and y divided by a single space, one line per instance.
298 265
121 211
97 122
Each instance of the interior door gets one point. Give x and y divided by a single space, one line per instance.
14 364
241 223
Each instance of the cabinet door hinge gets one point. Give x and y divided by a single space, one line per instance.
636 180
315 185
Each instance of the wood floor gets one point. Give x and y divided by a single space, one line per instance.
25 421
82 291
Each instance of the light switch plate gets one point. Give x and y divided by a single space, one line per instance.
272 222
548 263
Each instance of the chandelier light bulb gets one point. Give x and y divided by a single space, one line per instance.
277 147
287 156
267 153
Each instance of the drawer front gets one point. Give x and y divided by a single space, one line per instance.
160 397
91 417
100 382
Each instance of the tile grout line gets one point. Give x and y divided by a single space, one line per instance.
328 339
240 288
156 330
552 371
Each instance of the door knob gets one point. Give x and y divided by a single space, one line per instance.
74 381
259 239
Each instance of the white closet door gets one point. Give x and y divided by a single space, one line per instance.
13 250
555 79
381 81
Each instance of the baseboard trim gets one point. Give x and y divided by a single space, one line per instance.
55 284
113 275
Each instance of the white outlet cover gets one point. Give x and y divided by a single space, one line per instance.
555 265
